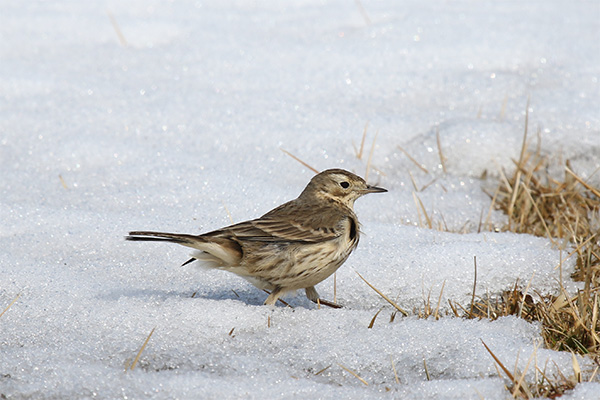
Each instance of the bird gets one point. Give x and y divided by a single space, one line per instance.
294 246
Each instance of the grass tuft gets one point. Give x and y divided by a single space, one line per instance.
565 210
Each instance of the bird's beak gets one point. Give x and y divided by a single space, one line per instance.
374 189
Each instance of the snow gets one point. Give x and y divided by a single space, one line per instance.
182 127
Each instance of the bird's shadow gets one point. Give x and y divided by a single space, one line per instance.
249 296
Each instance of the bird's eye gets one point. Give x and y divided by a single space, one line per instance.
344 184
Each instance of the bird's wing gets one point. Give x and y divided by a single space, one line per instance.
317 225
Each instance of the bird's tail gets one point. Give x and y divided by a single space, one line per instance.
219 251
146 236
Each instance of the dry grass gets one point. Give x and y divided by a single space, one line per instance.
117 28
543 386
354 374
139 354
10 305
566 210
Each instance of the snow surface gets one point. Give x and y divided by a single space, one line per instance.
181 125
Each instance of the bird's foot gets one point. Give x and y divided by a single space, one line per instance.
327 303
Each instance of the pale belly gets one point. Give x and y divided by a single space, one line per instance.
295 266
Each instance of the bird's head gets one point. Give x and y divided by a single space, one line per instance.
339 185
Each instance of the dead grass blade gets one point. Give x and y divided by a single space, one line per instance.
228 213
354 374
323 370
474 287
426 369
139 354
335 287
358 153
539 213
10 305
371 156
372 323
440 152
383 295
436 313
420 166
421 207
63 182
316 171
363 12
498 362
394 369
592 189
115 26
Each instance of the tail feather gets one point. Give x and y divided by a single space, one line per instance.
224 251
146 236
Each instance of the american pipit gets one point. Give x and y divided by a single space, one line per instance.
294 246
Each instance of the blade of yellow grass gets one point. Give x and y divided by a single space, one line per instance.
316 171
576 368
595 318
139 354
412 179
421 167
578 179
578 249
440 152
62 181
520 166
426 369
115 26
521 384
506 371
574 311
474 287
513 199
539 214
394 369
524 144
359 152
427 185
419 203
383 295
594 374
354 373
363 12
374 318
503 108
525 296
335 287
488 218
371 156
323 370
228 213
510 376
10 305
436 314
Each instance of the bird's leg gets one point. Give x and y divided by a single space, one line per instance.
274 296
279 299
313 296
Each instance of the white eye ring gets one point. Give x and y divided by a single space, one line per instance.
345 185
